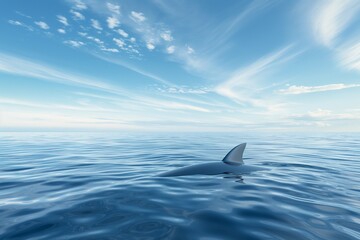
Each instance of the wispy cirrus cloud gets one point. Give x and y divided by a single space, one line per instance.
236 87
42 25
62 20
77 15
113 8
122 33
325 114
137 17
74 43
79 5
135 69
23 67
96 24
331 17
349 56
21 24
312 89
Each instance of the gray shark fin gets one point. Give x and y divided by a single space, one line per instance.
235 156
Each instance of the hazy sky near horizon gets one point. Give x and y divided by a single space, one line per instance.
166 65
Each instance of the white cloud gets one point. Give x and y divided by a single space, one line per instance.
74 43
184 90
114 50
236 87
331 17
23 67
113 8
311 89
349 56
166 36
18 23
119 42
123 33
150 46
132 39
324 114
98 41
83 34
112 22
42 25
95 24
63 20
62 31
190 50
135 69
77 15
79 5
170 49
137 16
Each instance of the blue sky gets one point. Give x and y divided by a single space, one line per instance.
163 65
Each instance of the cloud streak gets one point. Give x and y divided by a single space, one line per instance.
349 56
331 18
42 25
19 66
312 89
236 86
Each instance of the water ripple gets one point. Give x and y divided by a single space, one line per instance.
97 186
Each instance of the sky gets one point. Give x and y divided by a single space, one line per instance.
166 65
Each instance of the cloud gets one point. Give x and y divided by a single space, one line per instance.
170 49
120 43
62 31
236 86
18 23
77 15
62 20
150 46
323 114
29 68
42 25
132 39
112 22
113 8
98 41
332 17
95 24
123 33
137 16
74 43
79 5
349 56
184 90
166 36
190 50
114 50
83 34
134 69
311 89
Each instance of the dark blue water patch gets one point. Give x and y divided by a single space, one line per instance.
96 186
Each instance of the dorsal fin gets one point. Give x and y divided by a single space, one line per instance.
235 156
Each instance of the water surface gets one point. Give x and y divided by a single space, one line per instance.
105 186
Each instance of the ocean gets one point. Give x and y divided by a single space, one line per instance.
106 186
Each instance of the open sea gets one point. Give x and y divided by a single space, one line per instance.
105 186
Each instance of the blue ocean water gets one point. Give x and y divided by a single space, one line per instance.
105 186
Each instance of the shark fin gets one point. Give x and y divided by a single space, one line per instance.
235 156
